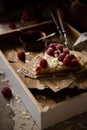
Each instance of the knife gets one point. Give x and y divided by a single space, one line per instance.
48 36
66 42
57 26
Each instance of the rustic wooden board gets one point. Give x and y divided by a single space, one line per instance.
13 46
46 107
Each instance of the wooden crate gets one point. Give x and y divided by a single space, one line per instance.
48 110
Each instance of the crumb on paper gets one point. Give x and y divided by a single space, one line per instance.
46 108
27 117
24 113
1 72
5 80
41 86
18 101
17 97
27 53
7 104
57 86
26 61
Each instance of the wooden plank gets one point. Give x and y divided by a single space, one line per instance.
45 106
13 46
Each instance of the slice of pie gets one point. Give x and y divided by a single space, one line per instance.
56 60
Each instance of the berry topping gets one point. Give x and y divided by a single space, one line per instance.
31 13
67 61
56 53
6 91
61 56
59 47
75 63
50 51
12 25
66 51
43 63
38 68
71 56
21 55
53 46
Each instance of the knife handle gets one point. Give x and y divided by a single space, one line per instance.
60 21
57 26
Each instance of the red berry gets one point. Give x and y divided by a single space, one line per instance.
67 61
21 55
66 51
12 25
59 47
24 17
6 91
43 63
50 51
75 63
53 46
71 56
61 56
38 68
56 53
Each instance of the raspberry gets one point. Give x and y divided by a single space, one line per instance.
43 63
67 61
75 63
71 56
38 68
21 55
56 53
59 47
12 25
50 51
61 56
6 91
30 14
66 51
53 46
24 17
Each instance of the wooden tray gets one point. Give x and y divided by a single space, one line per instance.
46 107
